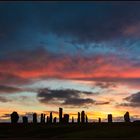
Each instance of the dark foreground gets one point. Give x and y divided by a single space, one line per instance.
95 131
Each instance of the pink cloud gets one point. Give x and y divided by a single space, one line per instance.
41 64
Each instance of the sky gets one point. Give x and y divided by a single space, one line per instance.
74 55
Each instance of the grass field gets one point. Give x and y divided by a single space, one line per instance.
72 131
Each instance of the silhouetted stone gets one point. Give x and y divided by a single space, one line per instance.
48 119
14 117
34 118
72 120
42 118
99 120
86 119
51 117
66 118
60 115
25 119
78 119
110 118
54 120
126 117
82 117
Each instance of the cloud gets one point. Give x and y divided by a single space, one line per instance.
9 89
133 100
41 63
3 99
11 78
38 64
84 25
105 84
132 30
102 103
64 97
132 83
5 116
67 97
78 101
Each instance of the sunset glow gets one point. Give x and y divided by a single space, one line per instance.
71 55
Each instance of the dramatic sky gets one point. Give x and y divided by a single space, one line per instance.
75 55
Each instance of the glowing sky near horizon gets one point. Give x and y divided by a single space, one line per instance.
75 55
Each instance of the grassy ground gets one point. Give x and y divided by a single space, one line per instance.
71 131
